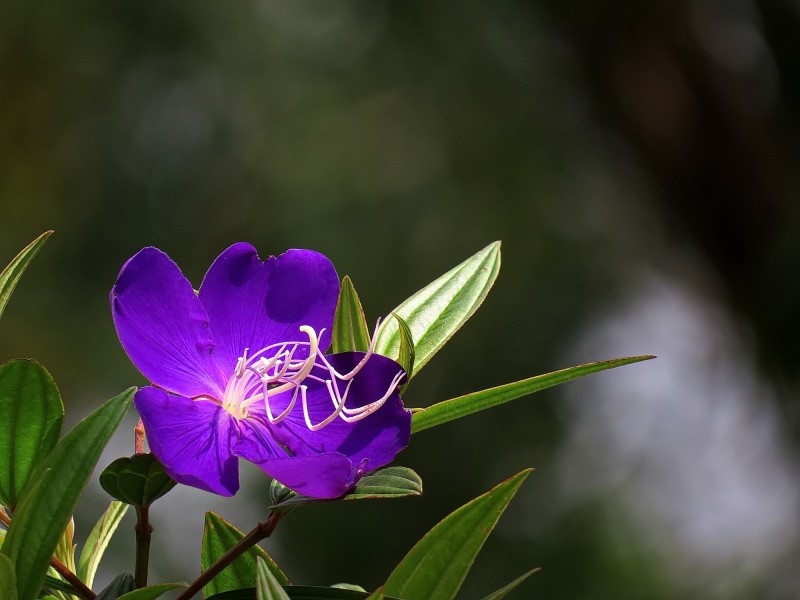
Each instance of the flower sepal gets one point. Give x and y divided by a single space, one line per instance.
138 480
391 482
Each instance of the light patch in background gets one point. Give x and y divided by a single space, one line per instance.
689 447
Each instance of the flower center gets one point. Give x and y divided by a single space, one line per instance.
271 370
274 370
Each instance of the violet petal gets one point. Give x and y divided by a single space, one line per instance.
252 304
163 327
191 438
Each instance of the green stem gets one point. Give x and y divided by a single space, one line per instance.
261 531
143 531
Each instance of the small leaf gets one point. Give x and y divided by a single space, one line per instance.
348 586
455 408
98 540
121 584
31 414
12 273
138 480
49 499
503 591
8 579
406 354
436 566
219 536
65 549
152 592
439 309
350 331
390 482
267 587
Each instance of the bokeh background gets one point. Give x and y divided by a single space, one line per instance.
639 162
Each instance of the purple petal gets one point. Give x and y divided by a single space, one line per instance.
163 327
191 438
322 476
252 304
377 438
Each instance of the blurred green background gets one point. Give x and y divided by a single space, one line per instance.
638 160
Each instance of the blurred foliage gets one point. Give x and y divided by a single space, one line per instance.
596 140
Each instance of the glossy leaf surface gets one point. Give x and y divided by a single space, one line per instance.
8 580
219 536
436 566
505 590
138 480
267 587
350 330
439 309
98 540
12 273
462 406
31 414
52 494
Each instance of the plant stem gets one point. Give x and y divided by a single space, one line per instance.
143 531
138 437
82 590
80 587
261 531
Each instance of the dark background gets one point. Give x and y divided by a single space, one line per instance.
638 160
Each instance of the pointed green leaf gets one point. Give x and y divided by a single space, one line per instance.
152 592
390 482
503 591
219 536
65 549
406 354
56 584
348 586
455 408
439 309
350 331
121 584
436 566
48 501
98 540
8 580
267 587
31 414
12 273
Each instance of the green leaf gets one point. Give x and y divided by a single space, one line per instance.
436 566
219 536
98 540
378 594
391 482
455 408
350 331
299 592
65 549
152 592
8 579
121 584
349 586
267 587
55 584
12 273
406 354
503 591
31 414
48 501
439 309
139 480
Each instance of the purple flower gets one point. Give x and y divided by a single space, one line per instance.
238 372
